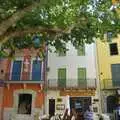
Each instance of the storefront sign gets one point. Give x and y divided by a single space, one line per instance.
77 92
60 107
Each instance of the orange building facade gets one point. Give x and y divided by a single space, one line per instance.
23 95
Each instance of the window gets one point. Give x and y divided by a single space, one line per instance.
62 53
36 70
25 102
62 77
115 69
113 49
81 50
82 77
16 70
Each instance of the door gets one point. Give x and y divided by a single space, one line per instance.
36 70
82 77
16 70
51 107
62 77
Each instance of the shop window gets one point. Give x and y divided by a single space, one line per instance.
25 103
113 49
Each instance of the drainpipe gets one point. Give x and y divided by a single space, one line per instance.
98 79
1 91
45 80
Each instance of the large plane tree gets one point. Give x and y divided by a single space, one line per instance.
36 23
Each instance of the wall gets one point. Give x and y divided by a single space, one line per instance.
72 62
55 95
105 59
11 93
3 63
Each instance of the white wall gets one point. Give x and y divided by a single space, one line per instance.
72 62
55 95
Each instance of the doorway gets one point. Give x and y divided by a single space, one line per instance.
80 104
25 104
51 107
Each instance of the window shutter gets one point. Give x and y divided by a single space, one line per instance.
62 77
82 77
16 70
36 70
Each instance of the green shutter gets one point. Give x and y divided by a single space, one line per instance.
82 77
81 51
62 77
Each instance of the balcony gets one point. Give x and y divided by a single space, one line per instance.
71 84
110 84
24 78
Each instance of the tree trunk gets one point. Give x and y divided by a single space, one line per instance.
17 16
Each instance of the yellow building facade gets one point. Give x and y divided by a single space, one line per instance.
108 61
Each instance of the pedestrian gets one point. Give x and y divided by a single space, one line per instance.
88 115
118 113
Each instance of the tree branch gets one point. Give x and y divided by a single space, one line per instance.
17 16
20 33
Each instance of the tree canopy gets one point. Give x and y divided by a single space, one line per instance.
35 23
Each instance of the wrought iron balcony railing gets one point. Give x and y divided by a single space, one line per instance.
110 84
23 78
71 83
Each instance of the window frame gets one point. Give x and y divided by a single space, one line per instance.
81 50
111 52
11 68
59 80
19 95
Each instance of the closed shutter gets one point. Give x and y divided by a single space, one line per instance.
115 69
62 77
36 70
16 70
82 77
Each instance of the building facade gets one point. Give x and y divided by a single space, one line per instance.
3 63
109 73
71 80
23 91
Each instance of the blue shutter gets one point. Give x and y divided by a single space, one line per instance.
16 70
115 69
36 70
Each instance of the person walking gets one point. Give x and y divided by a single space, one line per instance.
88 115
